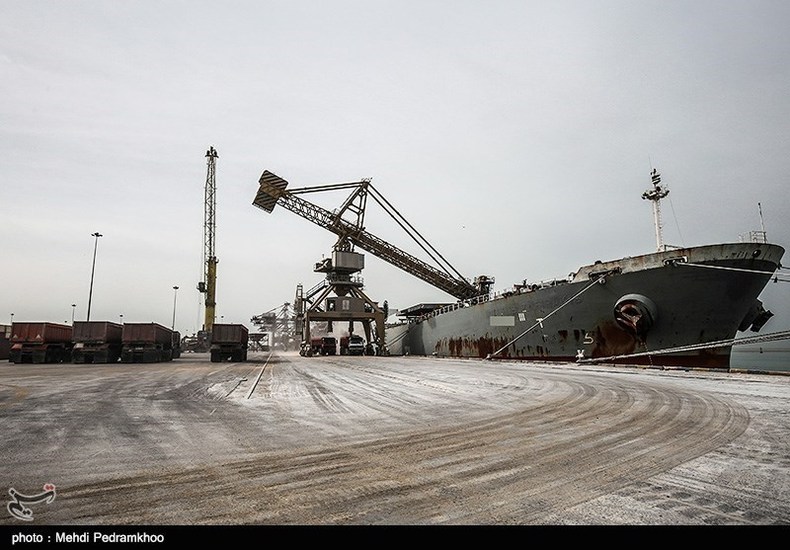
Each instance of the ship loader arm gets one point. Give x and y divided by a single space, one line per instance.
272 191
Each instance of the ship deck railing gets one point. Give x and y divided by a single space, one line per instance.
491 296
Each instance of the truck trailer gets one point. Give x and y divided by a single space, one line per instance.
176 345
96 342
328 345
229 342
40 343
5 341
146 343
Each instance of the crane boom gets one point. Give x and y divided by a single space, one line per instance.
273 191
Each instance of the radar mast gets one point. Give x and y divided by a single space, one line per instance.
655 195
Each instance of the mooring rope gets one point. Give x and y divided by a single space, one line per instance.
400 337
744 270
539 322
774 336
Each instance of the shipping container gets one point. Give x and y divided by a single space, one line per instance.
146 343
96 342
40 343
229 342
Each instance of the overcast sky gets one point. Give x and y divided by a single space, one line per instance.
516 136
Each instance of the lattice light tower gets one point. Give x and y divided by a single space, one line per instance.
209 284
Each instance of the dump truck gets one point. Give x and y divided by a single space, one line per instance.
325 345
343 345
356 345
229 342
96 342
352 344
313 349
40 343
146 343
328 345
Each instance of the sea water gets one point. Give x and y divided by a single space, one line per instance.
768 356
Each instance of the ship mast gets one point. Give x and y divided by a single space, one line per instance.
656 194
763 234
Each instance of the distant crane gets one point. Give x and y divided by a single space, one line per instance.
208 285
281 323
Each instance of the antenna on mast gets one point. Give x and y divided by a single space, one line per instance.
762 225
655 195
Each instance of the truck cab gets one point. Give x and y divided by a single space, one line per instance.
356 345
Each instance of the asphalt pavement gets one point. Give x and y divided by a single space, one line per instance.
409 441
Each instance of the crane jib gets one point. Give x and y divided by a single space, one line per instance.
272 190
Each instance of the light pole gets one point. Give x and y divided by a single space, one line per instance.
121 318
72 312
93 270
12 318
175 295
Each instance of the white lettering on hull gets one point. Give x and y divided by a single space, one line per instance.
503 321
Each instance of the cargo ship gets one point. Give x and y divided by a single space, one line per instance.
672 307
678 306
651 303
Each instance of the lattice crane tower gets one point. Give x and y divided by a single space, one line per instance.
209 284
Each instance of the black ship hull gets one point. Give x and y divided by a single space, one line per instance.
619 311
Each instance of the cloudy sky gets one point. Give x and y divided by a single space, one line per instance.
516 136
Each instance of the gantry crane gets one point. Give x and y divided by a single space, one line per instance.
208 285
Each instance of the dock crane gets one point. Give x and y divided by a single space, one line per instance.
351 303
208 285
